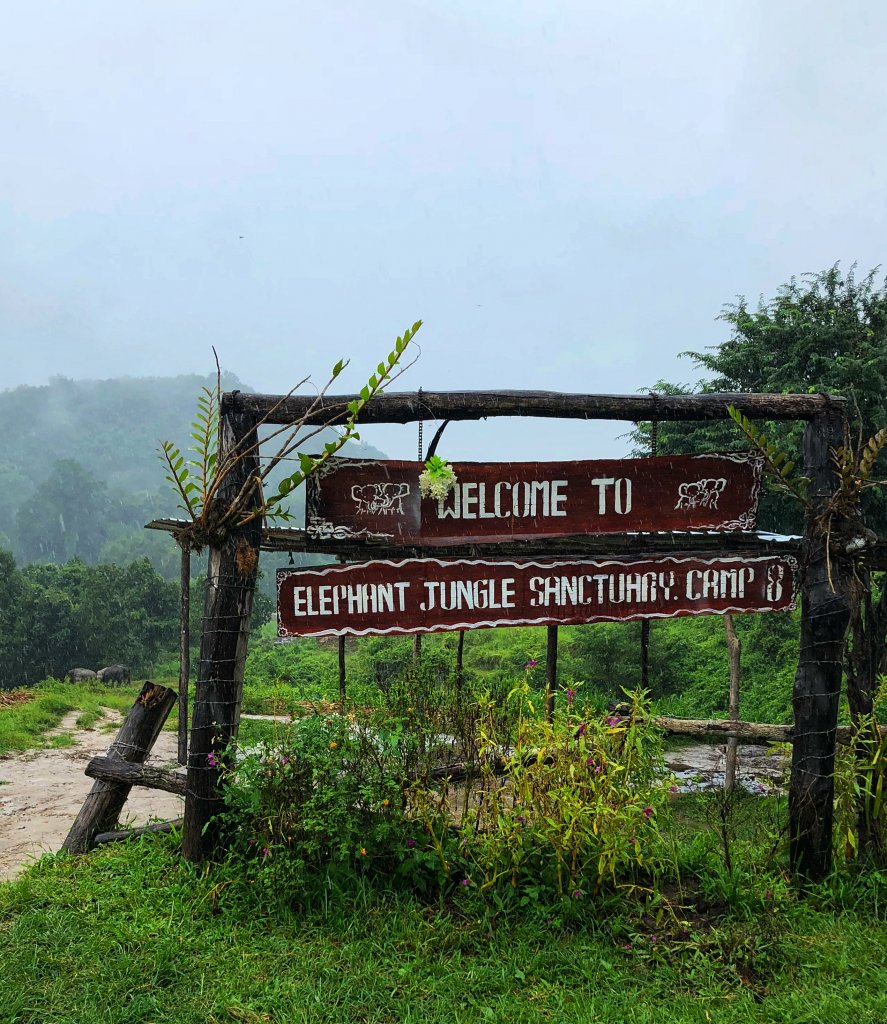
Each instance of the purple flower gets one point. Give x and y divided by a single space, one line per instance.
521 820
626 945
648 812
211 760
581 730
284 760
613 720
577 894
631 841
266 853
570 696
653 938
674 789
532 663
411 843
589 761
465 881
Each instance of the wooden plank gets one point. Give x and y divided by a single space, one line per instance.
373 500
410 407
133 743
133 833
424 595
113 770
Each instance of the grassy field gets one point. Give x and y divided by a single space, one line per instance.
133 934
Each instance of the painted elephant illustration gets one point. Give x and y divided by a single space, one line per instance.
700 493
382 499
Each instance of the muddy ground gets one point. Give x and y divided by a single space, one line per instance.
41 791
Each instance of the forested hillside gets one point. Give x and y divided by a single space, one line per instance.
79 474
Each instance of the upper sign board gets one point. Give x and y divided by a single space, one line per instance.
424 595
378 500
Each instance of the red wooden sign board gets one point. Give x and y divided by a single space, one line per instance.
379 501
426 595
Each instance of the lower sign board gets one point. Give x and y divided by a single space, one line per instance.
427 595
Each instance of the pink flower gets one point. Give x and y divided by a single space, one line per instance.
648 812
465 881
266 853
532 663
211 760
577 894
674 789
613 720
581 730
411 843
570 696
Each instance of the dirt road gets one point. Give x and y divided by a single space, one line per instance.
41 791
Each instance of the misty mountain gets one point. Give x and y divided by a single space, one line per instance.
79 471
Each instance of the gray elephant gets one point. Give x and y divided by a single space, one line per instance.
79 675
115 674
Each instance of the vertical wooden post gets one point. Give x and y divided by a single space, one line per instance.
342 674
645 654
460 668
231 583
184 649
734 649
825 617
550 672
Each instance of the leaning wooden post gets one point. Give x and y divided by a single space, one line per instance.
137 735
734 648
550 672
184 648
230 586
825 617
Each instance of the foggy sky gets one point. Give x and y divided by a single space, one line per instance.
567 192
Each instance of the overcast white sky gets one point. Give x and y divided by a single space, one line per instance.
566 191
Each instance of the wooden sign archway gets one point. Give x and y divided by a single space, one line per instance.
824 578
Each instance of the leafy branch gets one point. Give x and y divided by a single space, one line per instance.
776 462
197 481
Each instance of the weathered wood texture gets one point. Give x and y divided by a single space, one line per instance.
281 539
231 583
734 651
133 833
825 617
550 671
184 649
110 769
134 741
411 407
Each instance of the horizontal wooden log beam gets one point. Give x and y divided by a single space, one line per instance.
113 770
409 407
748 732
134 833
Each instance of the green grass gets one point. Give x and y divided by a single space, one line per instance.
76 946
24 726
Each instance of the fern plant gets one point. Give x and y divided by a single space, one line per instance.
197 475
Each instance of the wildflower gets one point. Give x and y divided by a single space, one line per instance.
570 696
577 894
626 945
654 938
333 744
465 881
521 820
386 802
363 851
648 812
581 730
284 760
674 789
631 841
211 760
411 843
532 663
589 761
613 720
266 853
